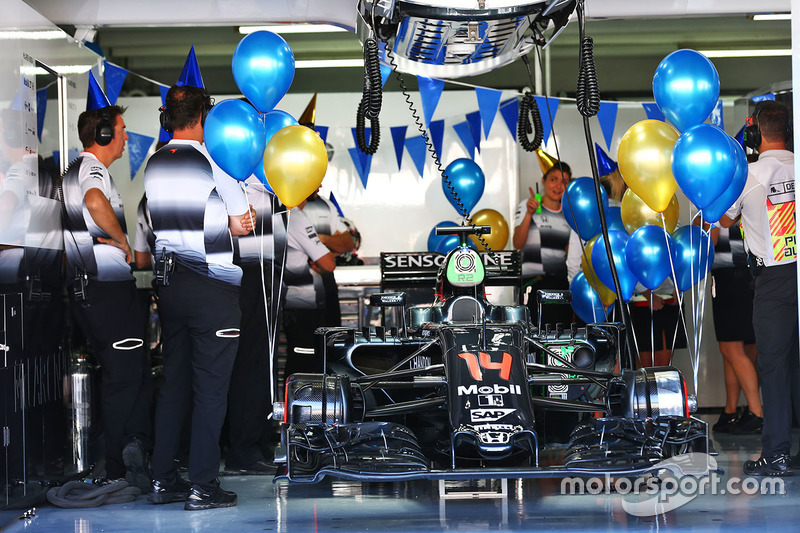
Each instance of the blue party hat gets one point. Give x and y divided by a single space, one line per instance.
190 75
605 165
96 99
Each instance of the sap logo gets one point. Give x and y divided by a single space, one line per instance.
494 389
489 415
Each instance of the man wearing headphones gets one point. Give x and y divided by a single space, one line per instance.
103 294
195 208
767 207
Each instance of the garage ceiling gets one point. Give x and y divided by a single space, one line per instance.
627 51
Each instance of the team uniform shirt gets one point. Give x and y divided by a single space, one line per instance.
545 250
767 208
102 262
305 290
268 236
729 251
145 239
190 199
324 216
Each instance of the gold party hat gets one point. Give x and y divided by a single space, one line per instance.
546 161
310 114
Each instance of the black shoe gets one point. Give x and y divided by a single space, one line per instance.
135 458
169 491
259 468
748 424
201 499
777 465
725 423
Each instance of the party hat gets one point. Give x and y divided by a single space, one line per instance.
605 165
190 75
310 114
546 161
96 99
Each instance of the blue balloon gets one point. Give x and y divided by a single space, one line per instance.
450 242
695 256
703 163
433 239
276 120
614 219
579 205
686 88
263 68
234 137
714 211
468 181
602 268
273 121
651 255
585 301
262 177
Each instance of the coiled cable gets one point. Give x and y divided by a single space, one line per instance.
588 91
530 121
371 99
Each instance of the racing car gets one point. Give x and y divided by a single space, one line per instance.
464 389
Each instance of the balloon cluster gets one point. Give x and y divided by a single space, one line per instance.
245 139
466 179
655 159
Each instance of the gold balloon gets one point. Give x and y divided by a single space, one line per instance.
498 238
636 213
645 153
607 296
295 161
546 161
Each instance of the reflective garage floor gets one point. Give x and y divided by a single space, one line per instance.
416 506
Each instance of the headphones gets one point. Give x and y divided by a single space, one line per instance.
104 132
166 123
752 134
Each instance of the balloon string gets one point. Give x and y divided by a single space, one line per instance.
282 267
635 342
259 234
652 333
702 302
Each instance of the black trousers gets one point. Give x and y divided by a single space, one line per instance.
200 331
111 320
299 326
249 395
775 325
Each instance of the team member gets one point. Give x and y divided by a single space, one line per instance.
732 301
306 259
195 208
333 233
104 296
767 207
543 237
260 255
